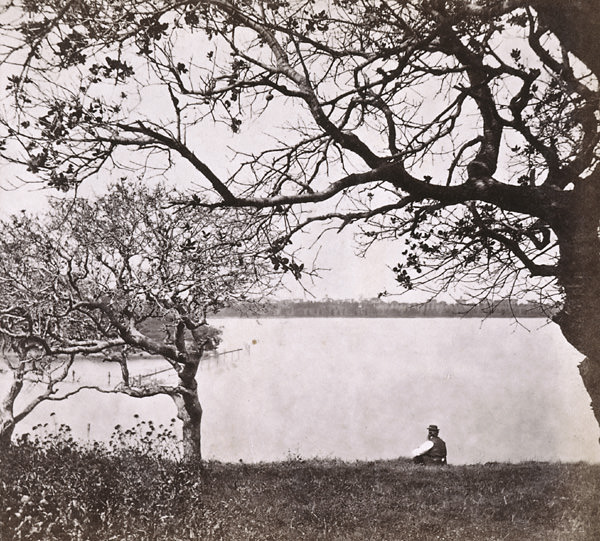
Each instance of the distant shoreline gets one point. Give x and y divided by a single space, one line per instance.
378 309
457 316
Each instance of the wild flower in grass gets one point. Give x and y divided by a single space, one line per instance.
146 438
46 437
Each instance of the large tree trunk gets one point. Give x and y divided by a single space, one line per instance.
7 417
590 374
189 409
576 24
7 427
579 276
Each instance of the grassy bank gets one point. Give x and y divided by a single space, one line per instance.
64 492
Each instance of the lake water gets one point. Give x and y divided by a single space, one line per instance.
367 389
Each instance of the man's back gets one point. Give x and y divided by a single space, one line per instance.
438 451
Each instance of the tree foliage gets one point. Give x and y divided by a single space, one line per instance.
465 129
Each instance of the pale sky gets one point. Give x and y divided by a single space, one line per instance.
349 276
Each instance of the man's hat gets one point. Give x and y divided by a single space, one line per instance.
433 428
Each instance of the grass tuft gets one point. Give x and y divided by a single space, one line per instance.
55 489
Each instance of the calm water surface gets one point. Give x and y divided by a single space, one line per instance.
367 389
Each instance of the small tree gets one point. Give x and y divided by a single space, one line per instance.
29 366
88 276
32 372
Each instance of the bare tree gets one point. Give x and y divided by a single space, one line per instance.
30 372
465 129
33 377
127 273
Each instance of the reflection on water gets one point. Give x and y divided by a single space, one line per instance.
367 389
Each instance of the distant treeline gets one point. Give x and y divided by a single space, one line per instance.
379 308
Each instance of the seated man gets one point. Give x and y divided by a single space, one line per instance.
433 451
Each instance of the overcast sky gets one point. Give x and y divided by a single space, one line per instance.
349 276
